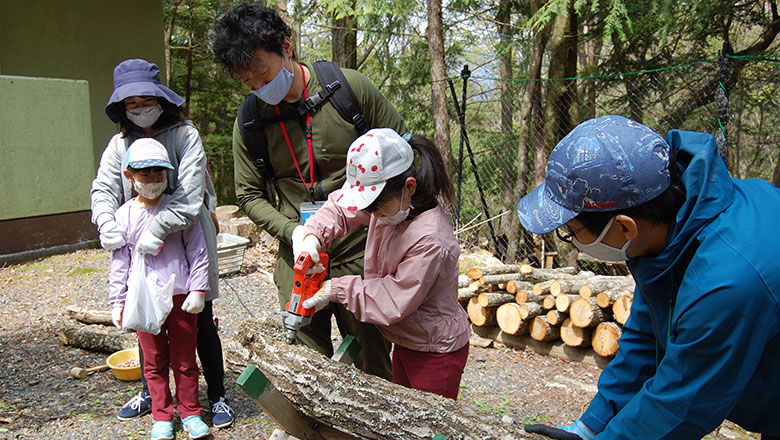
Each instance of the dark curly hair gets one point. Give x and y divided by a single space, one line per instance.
244 28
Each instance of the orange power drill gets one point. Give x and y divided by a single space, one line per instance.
304 287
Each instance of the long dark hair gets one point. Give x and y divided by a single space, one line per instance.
171 115
433 179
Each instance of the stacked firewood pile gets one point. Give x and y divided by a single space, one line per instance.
581 309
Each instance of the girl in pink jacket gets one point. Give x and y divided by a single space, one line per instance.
408 289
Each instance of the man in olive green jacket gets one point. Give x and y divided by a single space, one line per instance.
254 43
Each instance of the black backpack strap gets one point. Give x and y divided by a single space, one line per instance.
253 133
343 98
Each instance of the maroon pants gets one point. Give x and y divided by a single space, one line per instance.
173 347
437 373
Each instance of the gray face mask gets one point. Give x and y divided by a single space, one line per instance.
273 92
144 116
601 251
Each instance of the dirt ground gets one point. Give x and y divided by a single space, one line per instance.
39 400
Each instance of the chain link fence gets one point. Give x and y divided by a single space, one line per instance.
500 150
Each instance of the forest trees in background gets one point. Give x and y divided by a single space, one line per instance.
518 107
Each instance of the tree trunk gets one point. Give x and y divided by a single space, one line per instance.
528 107
345 398
97 338
343 41
441 122
561 95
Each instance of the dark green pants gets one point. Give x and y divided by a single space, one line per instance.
374 357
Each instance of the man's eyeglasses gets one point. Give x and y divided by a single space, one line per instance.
568 234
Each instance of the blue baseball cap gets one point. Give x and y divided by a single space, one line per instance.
136 77
604 164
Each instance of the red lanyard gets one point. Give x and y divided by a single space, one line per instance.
308 138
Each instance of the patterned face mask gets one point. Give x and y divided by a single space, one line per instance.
144 116
150 190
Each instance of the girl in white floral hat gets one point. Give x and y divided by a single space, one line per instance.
411 259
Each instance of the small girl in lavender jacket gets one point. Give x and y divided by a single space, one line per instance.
182 255
411 259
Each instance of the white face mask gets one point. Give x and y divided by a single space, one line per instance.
399 216
273 92
144 116
601 251
150 190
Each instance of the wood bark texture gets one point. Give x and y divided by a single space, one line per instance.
343 397
102 317
97 338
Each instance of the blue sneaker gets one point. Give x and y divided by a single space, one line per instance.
195 427
137 406
162 430
222 415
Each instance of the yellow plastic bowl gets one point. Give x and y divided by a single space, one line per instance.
124 373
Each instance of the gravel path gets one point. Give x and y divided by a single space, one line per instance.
39 400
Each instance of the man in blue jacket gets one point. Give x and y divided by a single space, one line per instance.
702 343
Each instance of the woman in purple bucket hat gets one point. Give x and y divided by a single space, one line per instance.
143 107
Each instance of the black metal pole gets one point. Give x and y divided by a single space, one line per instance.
464 138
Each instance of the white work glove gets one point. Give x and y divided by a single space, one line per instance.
320 299
116 316
111 235
195 302
148 244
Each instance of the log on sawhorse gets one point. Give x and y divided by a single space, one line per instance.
282 411
295 425
335 400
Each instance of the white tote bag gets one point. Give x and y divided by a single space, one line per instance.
146 305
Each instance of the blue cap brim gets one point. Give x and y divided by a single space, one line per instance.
141 164
539 214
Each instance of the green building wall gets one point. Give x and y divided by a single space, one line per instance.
61 53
